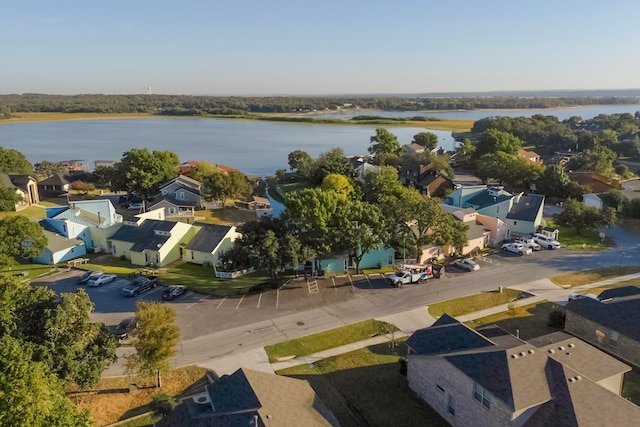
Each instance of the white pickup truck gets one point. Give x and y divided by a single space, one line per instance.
413 275
528 243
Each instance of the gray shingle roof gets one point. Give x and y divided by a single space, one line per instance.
56 179
144 236
622 314
527 209
445 338
208 237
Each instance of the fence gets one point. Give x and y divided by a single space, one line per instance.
233 274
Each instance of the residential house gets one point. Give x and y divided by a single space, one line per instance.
92 221
522 213
362 168
342 262
592 200
478 236
151 242
179 197
55 185
597 183
209 243
610 322
60 248
25 186
412 148
425 178
530 156
491 378
251 398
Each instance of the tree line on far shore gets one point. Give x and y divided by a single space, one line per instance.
183 105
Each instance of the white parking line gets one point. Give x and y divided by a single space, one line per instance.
335 288
239 302
223 299
352 287
259 299
277 298
368 281
196 302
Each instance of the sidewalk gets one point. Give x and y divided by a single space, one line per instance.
412 320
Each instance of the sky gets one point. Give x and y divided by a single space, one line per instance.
307 47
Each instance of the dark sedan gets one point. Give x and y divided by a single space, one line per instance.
173 291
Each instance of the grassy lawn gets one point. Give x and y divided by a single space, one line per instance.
113 402
227 216
33 213
580 278
590 238
32 270
365 388
527 322
477 302
326 340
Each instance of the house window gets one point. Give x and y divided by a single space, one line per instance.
613 340
181 195
192 255
346 264
481 395
515 222
451 405
390 260
497 209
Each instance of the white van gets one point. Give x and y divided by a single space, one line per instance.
546 242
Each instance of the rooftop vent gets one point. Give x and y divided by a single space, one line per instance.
551 351
561 348
514 356
572 345
532 351
522 353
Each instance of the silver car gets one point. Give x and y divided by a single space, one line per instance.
101 280
466 264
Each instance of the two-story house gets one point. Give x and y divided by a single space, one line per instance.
179 197
491 378
25 186
425 178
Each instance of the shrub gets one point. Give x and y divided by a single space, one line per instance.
163 403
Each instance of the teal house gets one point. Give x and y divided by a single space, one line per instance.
342 262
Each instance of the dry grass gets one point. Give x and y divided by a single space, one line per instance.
48 117
113 402
473 303
580 278
600 289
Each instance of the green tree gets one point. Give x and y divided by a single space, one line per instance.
144 171
614 199
361 227
384 142
493 140
299 160
31 395
333 161
8 199
465 153
155 339
507 168
219 185
428 140
83 187
576 215
382 185
20 238
631 209
13 161
46 168
338 183
597 159
105 177
553 181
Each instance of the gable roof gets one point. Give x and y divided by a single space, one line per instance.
485 198
173 200
56 179
184 181
56 242
527 208
145 235
208 237
450 336
619 313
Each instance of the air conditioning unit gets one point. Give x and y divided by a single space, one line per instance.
202 399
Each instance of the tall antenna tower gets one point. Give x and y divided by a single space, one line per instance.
149 90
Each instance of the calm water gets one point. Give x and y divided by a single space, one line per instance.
255 148
562 114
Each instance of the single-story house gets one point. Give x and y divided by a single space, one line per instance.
152 242
488 377
610 322
342 262
25 186
250 398
60 248
55 185
209 243
592 200
596 182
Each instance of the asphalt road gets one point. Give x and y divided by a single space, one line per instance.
213 327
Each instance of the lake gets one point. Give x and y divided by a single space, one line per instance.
255 148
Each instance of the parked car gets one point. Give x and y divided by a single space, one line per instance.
102 280
89 275
139 285
125 328
173 291
516 248
546 242
529 243
135 206
466 264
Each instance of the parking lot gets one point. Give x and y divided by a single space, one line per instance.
199 314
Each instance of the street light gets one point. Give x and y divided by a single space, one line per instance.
621 258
